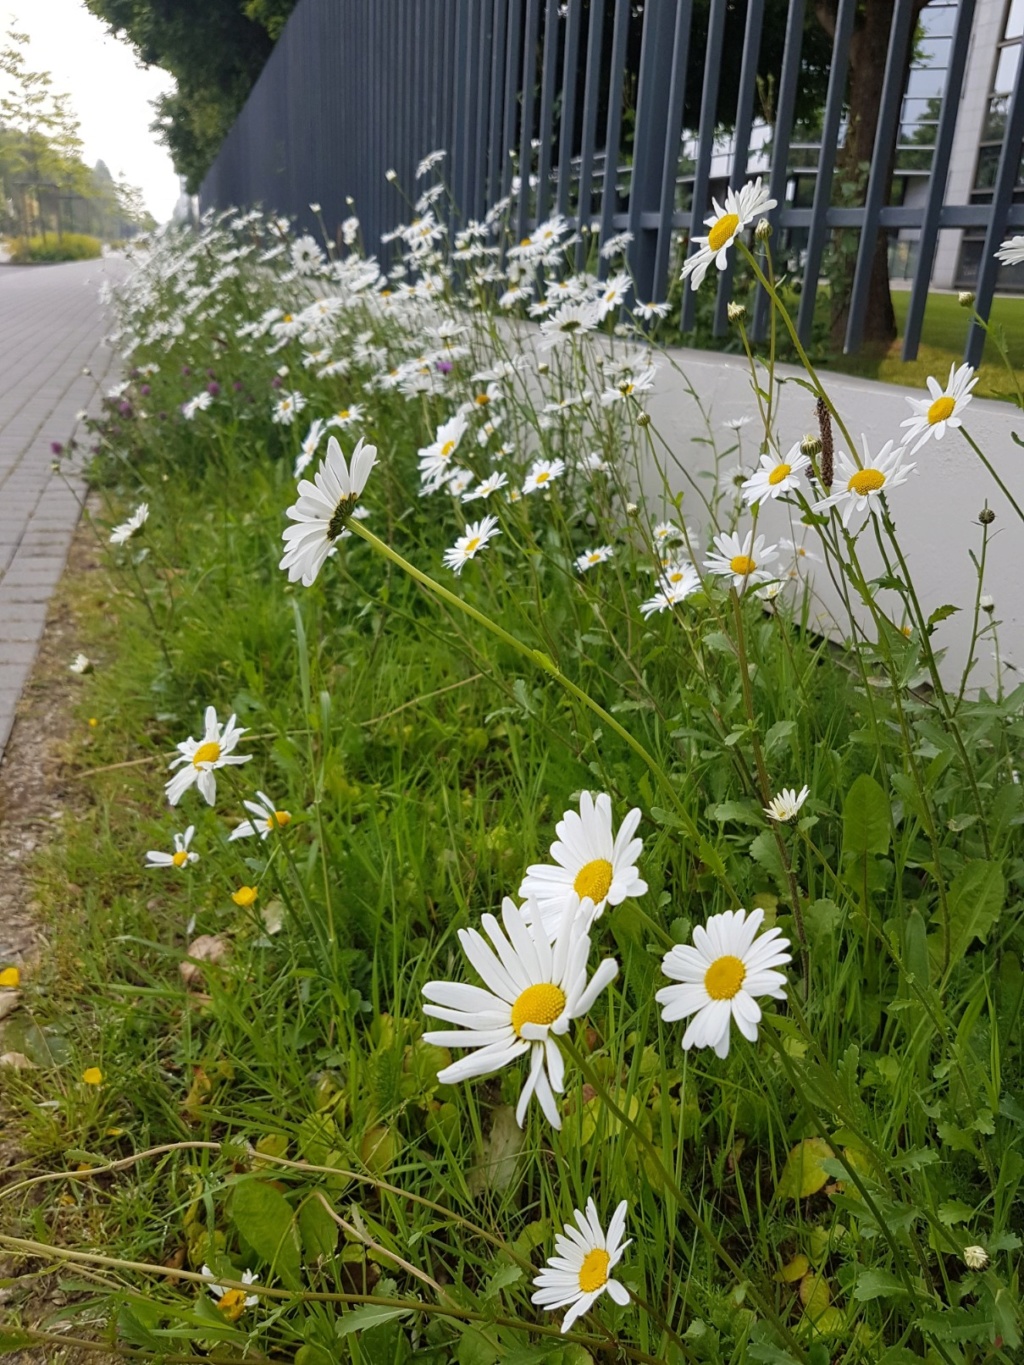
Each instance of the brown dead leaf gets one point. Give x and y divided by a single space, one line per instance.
9 1002
17 1061
212 948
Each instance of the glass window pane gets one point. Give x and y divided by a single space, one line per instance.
922 83
938 20
1006 70
1015 19
933 52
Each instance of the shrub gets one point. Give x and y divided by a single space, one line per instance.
72 246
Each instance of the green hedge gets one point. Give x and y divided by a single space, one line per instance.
73 246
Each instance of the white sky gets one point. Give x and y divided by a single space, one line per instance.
110 93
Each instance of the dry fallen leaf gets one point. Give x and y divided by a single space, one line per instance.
17 1060
9 1002
212 948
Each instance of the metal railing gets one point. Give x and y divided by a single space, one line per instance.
554 93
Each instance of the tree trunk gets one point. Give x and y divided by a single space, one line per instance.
869 47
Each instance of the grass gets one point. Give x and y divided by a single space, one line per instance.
275 1109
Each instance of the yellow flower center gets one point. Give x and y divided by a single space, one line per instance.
344 414
941 409
287 317
724 977
232 1304
540 1004
780 472
594 1270
472 546
279 818
524 241
742 564
206 753
447 449
866 481
722 231
482 399
180 858
594 880
543 476
245 895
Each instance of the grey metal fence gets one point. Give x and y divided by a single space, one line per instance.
585 101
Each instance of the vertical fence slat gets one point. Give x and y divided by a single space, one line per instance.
649 139
484 49
495 147
567 126
530 33
547 108
826 163
880 175
937 183
588 132
781 134
513 34
1002 197
613 125
705 141
670 164
741 145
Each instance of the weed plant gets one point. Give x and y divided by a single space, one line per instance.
238 1141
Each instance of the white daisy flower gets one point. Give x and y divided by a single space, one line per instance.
287 408
308 448
435 459
478 533
931 418
730 481
1012 251
232 1302
322 510
532 990
81 663
203 757
346 417
786 805
615 246
799 552
127 529
589 558
431 160
580 1270
494 481
590 863
198 404
859 487
180 858
721 974
630 386
568 322
775 476
679 575
737 423
541 474
744 561
665 598
650 311
665 532
266 818
459 481
726 224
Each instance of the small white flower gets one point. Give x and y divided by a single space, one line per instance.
203 757
308 448
977 1258
232 1302
726 224
127 529
1012 251
860 487
650 311
721 974
580 1270
198 404
266 818
742 561
775 476
287 408
323 508
541 474
494 481
590 863
180 858
533 989
570 321
944 409
478 533
81 663
786 806
589 558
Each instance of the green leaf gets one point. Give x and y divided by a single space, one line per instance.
955 1211
318 1229
366 1316
803 1173
12 1339
867 819
312 1354
475 1349
940 614
740 812
778 734
265 1219
976 900
502 1278
710 856
877 1284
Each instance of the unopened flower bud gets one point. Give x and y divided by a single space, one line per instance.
763 230
976 1258
391 176
643 419
987 603
314 208
810 446
986 516
632 509
965 298
735 312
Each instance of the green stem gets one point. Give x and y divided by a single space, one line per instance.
988 465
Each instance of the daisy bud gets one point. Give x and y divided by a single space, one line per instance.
314 208
643 419
736 312
349 200
976 1258
391 176
632 510
810 446
987 603
965 298
986 516
763 230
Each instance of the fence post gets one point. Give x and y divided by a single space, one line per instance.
650 141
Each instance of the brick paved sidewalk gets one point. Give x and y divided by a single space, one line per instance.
51 327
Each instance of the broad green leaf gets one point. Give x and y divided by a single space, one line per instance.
267 1222
877 1284
475 1349
318 1229
976 900
955 1211
803 1173
940 614
312 1354
867 819
366 1316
